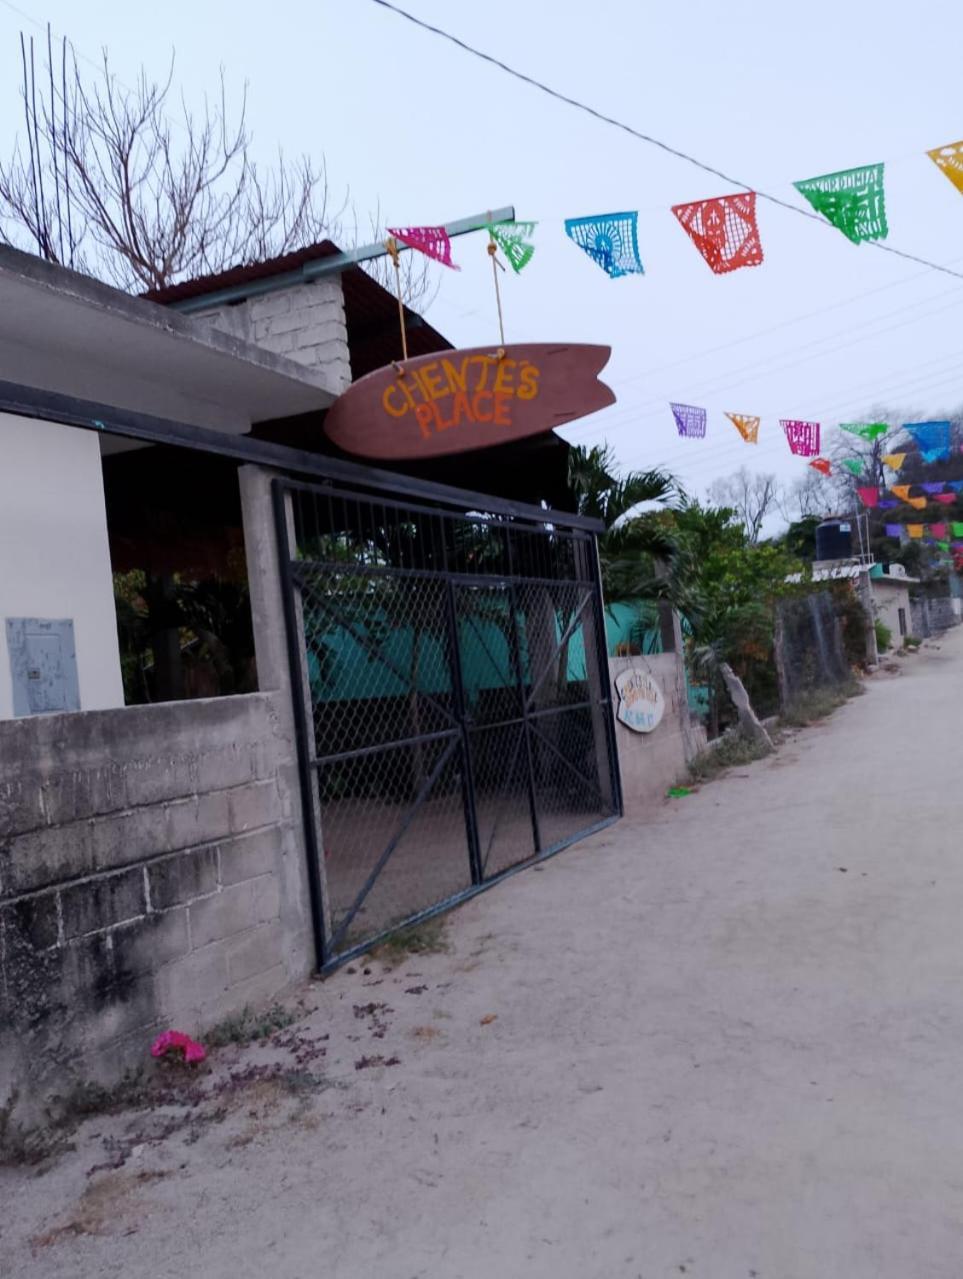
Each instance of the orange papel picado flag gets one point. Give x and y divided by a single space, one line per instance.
915 530
949 160
893 460
746 425
902 491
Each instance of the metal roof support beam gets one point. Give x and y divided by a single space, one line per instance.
332 265
28 401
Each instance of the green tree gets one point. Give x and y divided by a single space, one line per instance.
739 587
640 553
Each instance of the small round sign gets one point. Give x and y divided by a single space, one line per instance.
641 703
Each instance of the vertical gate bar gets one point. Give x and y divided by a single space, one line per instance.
467 772
591 546
305 760
523 703
529 761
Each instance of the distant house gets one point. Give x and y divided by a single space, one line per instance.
890 588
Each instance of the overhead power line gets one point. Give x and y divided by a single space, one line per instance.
629 413
646 137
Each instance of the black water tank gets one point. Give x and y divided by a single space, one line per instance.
834 540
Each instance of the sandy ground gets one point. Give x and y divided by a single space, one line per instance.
724 1043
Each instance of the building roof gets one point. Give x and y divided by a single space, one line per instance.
370 311
892 579
525 470
65 332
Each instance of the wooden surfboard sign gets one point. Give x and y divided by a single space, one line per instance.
454 401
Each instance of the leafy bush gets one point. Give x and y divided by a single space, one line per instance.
884 636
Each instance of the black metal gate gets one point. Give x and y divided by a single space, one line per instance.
454 714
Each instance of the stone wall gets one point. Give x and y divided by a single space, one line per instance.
652 762
143 854
932 614
305 323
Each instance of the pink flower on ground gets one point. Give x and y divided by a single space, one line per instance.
177 1041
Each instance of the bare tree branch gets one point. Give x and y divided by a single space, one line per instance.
752 495
133 187
811 494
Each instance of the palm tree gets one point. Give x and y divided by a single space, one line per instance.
640 555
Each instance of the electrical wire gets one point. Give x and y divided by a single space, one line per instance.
646 137
631 416
715 387
747 337
772 441
761 333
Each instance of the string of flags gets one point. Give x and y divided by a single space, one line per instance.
939 531
872 496
934 439
724 229
725 232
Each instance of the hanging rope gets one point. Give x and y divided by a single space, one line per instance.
496 267
391 245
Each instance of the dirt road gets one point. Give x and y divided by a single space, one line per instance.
727 1043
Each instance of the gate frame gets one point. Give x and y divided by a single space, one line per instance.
456 501
295 464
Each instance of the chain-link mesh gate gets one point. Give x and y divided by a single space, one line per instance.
455 719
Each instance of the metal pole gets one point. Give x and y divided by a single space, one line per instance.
593 564
865 590
516 657
467 772
333 264
306 770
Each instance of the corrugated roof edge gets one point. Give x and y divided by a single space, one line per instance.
242 274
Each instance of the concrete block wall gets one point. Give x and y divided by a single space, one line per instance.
929 615
943 612
305 323
143 858
652 762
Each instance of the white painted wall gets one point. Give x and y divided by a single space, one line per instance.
889 596
54 556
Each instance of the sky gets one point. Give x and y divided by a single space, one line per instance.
768 93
